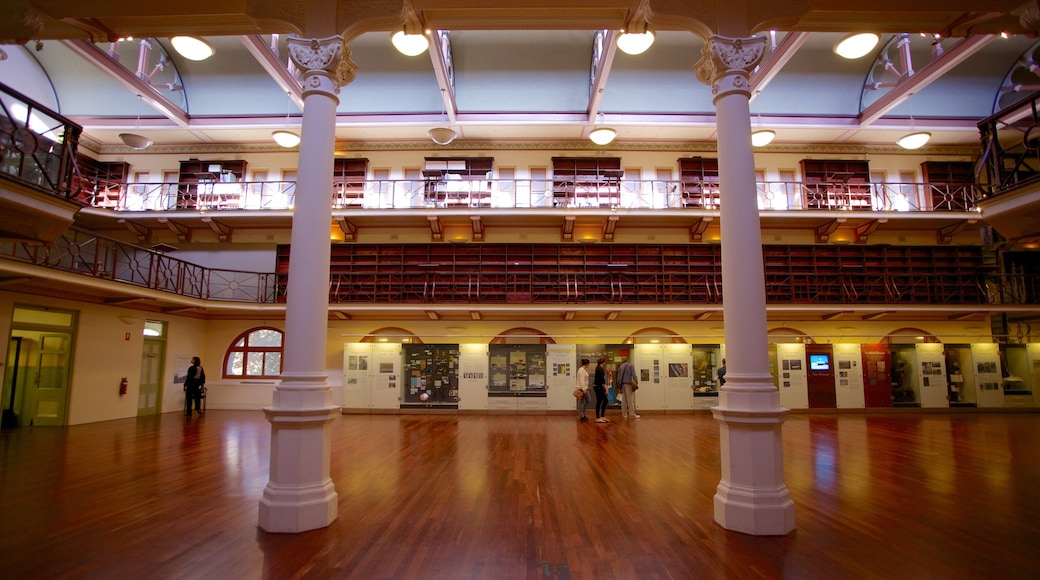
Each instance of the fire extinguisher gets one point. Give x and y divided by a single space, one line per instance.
122 386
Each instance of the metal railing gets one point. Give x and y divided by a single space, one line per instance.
95 256
81 252
37 145
1010 148
528 193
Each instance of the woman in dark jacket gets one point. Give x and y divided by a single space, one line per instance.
599 385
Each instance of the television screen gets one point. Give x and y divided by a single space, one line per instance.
819 362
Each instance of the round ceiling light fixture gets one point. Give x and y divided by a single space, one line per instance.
442 135
286 138
914 140
135 141
856 45
762 138
602 135
192 48
409 44
635 43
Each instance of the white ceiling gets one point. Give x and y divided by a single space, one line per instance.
526 85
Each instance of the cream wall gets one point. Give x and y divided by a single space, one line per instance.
102 355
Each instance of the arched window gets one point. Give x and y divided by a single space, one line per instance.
256 353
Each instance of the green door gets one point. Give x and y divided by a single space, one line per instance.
48 396
150 394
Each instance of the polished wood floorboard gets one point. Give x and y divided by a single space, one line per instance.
523 497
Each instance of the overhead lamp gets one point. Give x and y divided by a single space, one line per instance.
192 47
602 135
635 43
442 135
135 141
856 45
914 140
762 138
286 138
410 44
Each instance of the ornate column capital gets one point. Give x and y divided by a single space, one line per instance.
325 63
726 63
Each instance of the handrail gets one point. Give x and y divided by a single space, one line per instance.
88 254
536 193
1010 148
37 145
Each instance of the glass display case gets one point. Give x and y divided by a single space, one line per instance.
431 375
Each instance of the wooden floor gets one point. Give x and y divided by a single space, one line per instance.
505 497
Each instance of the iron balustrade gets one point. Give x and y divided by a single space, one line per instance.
37 145
528 193
95 256
1010 148
81 252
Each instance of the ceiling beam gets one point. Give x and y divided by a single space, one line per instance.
268 59
907 86
182 232
223 232
601 71
144 89
440 57
778 57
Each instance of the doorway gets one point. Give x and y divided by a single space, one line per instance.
39 364
149 397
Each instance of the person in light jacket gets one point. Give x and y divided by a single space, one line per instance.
626 377
583 384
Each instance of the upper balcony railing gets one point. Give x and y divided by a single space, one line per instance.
1010 148
37 145
528 193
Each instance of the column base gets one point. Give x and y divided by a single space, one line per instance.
754 511
752 497
299 508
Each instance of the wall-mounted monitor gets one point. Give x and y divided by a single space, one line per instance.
819 362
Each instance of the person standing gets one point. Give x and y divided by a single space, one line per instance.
722 373
626 376
599 385
583 384
194 384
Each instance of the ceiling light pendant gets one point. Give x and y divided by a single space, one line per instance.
635 43
286 138
192 48
762 137
914 140
442 135
602 135
410 44
135 141
856 45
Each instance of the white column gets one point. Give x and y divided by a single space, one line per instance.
752 497
300 495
